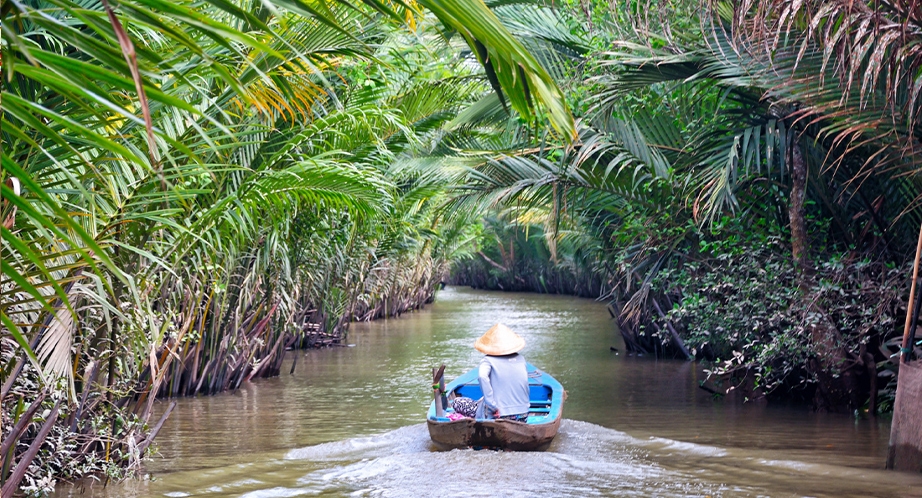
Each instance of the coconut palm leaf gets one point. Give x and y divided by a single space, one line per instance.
509 66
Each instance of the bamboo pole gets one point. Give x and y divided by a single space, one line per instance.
906 347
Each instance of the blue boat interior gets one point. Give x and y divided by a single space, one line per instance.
545 395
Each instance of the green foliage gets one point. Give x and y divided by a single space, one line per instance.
188 188
692 117
191 188
754 316
516 257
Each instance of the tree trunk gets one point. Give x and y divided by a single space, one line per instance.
796 208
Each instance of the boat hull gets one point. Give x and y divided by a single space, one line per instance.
505 434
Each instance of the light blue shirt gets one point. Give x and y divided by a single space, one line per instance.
504 382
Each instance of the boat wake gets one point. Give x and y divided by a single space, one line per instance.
584 460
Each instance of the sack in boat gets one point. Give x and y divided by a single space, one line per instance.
465 406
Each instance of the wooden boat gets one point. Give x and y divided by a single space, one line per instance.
547 397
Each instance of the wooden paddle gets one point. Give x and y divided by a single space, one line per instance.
438 391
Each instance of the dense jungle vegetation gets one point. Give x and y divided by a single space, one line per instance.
192 187
745 190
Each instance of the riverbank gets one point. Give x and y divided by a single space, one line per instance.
106 431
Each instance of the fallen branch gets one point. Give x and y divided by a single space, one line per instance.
12 484
494 263
672 331
153 433
24 420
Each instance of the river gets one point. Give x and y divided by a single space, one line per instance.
350 422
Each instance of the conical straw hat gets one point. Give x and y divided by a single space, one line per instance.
499 340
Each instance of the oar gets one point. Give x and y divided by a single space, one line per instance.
442 389
438 391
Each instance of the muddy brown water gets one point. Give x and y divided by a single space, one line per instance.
350 422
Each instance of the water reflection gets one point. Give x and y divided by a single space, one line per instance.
348 422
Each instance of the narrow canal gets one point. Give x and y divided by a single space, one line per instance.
349 422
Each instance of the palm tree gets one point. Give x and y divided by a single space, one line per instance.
764 108
168 156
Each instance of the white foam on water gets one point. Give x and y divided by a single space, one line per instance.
787 464
411 438
584 460
690 448
236 484
278 492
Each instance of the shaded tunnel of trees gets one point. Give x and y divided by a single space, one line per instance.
191 189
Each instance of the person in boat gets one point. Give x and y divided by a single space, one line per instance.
503 376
